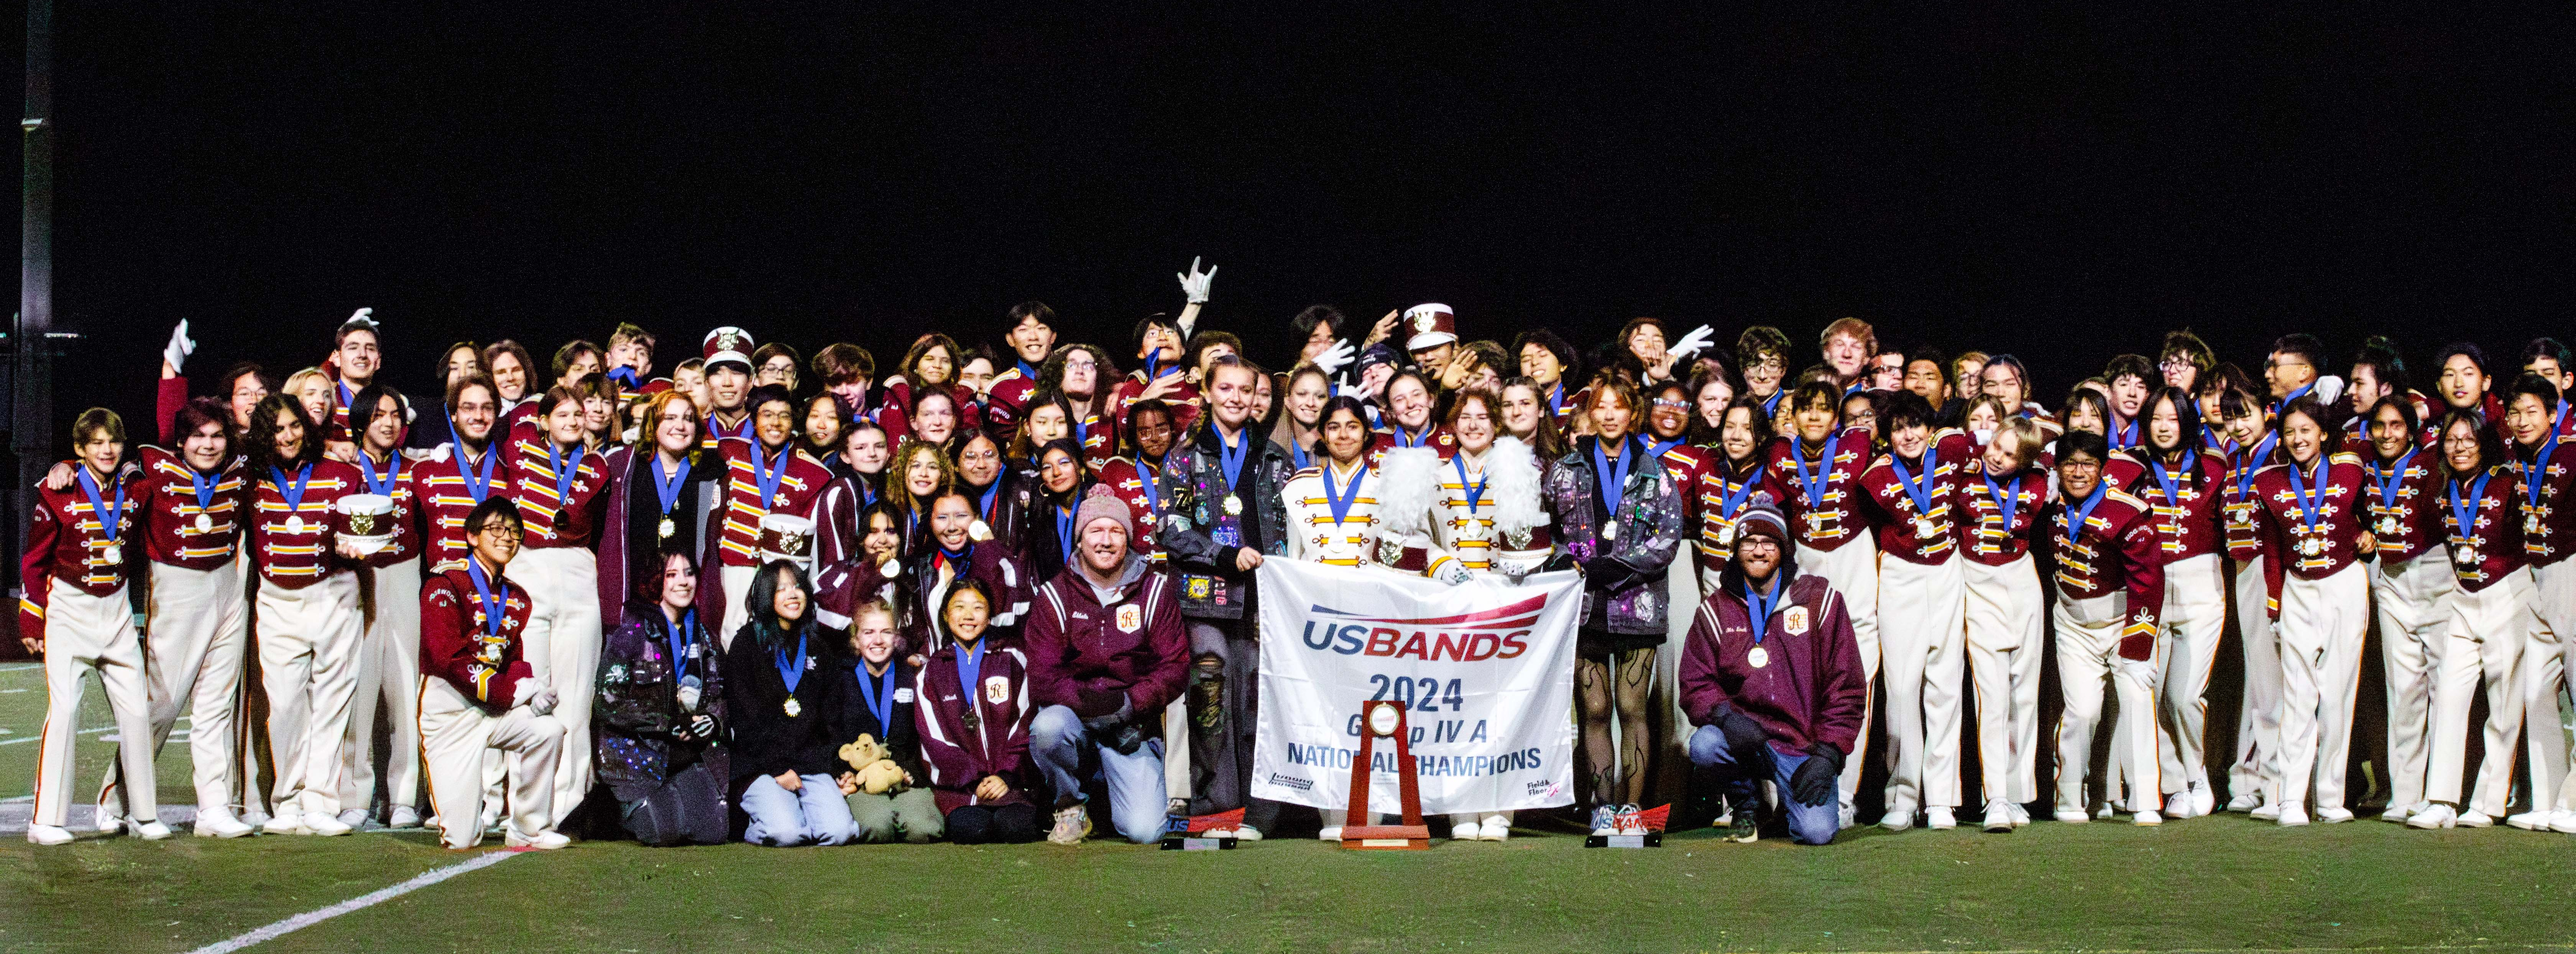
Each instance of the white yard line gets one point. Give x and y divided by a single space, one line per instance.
310 918
31 738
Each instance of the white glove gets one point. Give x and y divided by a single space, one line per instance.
2328 388
179 348
1692 343
362 313
1194 283
1453 573
543 703
1337 357
525 690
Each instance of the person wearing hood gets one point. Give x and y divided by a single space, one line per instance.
1771 674
1106 655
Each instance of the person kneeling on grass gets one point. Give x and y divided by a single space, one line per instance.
874 690
1771 675
780 702
973 713
479 693
662 715
1106 655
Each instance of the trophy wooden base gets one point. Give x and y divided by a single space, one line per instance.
1387 837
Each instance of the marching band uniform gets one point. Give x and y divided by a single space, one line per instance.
2182 500
474 697
560 501
2003 616
309 639
199 617
2110 587
2490 621
892 413
759 481
2549 537
2258 609
389 654
1434 436
1184 400
80 555
1721 493
1139 486
2413 588
2312 518
1920 627
1834 541
1334 518
637 523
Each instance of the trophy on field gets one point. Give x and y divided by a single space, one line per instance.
1382 718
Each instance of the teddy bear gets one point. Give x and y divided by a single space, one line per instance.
874 766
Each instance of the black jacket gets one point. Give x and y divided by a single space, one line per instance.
766 740
851 718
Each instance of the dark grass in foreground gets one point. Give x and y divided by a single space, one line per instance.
2222 883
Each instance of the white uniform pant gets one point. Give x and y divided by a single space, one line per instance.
2418 626
736 581
2002 618
2088 654
1921 638
200 623
2193 616
563 645
82 633
2322 625
2258 720
2543 672
455 734
308 661
2483 640
388 672
1853 570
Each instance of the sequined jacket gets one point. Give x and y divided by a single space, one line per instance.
1623 578
1201 538
639 706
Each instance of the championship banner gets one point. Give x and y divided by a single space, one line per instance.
1484 669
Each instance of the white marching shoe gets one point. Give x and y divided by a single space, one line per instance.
2245 802
542 841
2476 819
316 823
2334 816
148 831
1333 833
285 823
402 816
2147 818
2436 817
2533 820
2292 816
220 824
48 835
1940 819
1494 828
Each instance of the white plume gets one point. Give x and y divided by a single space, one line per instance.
1512 475
1408 480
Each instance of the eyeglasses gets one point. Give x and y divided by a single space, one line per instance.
504 530
1674 403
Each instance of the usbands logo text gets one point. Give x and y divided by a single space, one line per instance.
1472 637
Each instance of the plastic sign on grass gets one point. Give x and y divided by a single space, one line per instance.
1485 671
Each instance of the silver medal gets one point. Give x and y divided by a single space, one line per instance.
205 524
2387 526
2531 525
1757 657
112 554
1726 535
1924 527
668 528
2465 556
294 523
793 709
1233 506
1610 530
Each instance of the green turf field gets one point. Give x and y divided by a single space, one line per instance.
2206 884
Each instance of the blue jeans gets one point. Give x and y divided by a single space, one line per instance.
1808 824
1137 804
813 814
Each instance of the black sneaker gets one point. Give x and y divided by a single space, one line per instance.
1748 825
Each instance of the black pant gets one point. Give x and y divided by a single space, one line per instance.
986 824
688 809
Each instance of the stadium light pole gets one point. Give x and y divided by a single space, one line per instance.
32 427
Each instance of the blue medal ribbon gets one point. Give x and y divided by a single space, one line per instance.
2165 479
1476 490
477 486
765 476
983 504
1297 452
1771 405
205 487
565 476
2005 500
1760 606
2464 512
1340 503
681 637
1733 501
1028 374
2292 396
108 519
383 486
1229 458
1920 490
1409 440
666 484
1064 532
625 377
1614 490
495 608
1658 449
880 702
1813 485
293 493
2254 462
2075 518
970 670
1145 484
2125 435
2389 482
2537 474
791 670
2309 502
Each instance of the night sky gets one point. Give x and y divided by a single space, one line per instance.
2061 184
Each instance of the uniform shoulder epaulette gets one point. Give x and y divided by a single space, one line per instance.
2344 457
